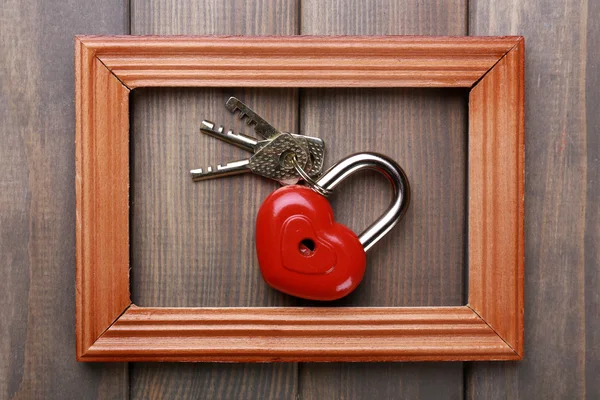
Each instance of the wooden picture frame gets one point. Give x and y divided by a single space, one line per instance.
488 327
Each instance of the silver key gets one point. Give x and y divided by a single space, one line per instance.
262 127
273 161
240 140
316 149
231 168
314 146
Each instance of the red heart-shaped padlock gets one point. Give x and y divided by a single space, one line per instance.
302 251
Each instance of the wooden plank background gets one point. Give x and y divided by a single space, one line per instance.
179 227
562 241
37 200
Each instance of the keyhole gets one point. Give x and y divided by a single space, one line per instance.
307 247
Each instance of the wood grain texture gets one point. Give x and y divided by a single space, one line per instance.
356 381
421 262
102 232
177 239
592 210
496 191
243 61
102 190
193 243
425 131
206 17
244 381
298 334
37 219
37 201
561 201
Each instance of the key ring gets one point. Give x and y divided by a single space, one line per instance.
309 181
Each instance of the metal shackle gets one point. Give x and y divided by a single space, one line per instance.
387 167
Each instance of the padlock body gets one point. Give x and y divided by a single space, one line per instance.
302 251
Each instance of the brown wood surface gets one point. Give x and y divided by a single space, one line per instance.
299 334
495 206
102 190
562 317
412 61
425 131
172 233
37 201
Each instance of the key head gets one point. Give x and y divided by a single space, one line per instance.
315 147
274 160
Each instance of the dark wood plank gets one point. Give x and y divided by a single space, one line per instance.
592 214
205 17
352 381
421 262
192 243
37 201
213 381
561 201
384 17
